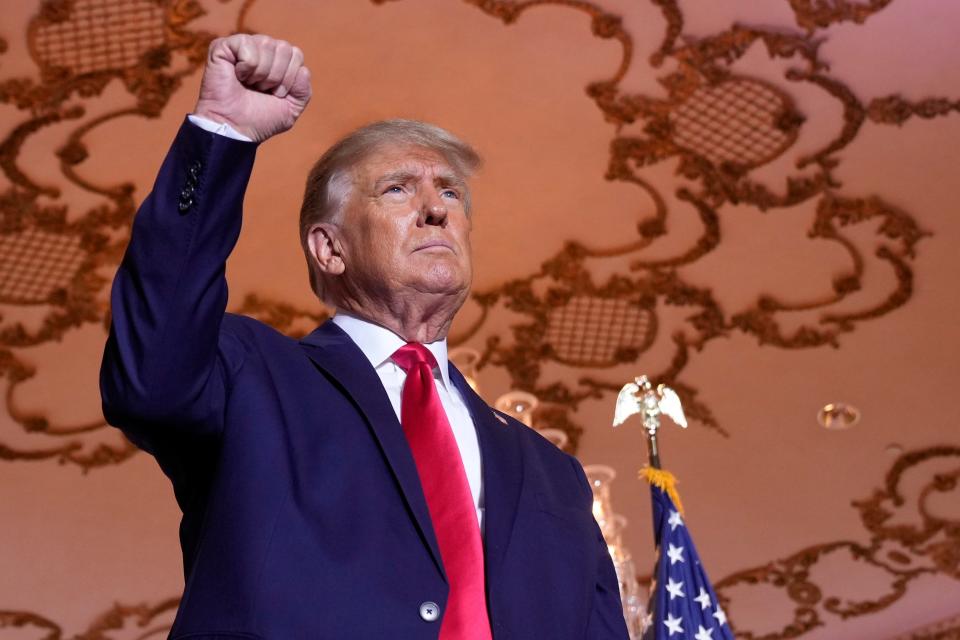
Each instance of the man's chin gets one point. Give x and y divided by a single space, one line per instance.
442 284
441 277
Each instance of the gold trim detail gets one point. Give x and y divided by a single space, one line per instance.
899 549
817 14
716 160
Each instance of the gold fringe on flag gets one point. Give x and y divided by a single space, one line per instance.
663 480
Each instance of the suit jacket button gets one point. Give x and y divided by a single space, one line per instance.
429 611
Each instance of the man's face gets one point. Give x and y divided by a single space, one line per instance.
404 228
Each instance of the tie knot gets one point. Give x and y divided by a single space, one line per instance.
413 354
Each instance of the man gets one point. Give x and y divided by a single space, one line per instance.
350 485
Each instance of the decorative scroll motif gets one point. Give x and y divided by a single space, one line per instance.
52 257
716 155
814 14
137 622
561 302
900 547
907 540
896 110
901 235
947 633
721 125
943 630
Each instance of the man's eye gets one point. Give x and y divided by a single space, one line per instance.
396 188
450 193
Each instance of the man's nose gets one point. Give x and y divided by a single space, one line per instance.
433 212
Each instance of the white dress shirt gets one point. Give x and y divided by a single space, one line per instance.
378 344
219 128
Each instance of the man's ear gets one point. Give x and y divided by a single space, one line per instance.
326 249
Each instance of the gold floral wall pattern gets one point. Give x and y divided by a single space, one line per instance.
578 322
907 540
50 255
578 319
721 125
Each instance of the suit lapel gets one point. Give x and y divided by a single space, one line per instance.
502 463
331 349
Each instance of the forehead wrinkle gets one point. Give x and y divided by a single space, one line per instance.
443 178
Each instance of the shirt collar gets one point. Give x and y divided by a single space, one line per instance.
379 343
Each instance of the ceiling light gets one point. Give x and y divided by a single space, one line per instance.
838 416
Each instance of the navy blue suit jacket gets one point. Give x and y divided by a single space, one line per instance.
303 515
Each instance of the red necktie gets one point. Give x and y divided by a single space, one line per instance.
448 496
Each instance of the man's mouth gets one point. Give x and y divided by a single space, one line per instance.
435 245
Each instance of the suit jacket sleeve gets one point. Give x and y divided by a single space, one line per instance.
606 621
166 364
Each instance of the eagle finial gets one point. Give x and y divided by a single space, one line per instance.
640 397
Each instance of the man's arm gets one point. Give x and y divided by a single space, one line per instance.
162 363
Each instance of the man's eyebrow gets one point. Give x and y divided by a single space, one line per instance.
401 176
450 180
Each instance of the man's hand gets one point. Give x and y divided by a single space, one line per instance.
256 84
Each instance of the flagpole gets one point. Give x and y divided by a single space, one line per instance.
650 405
682 575
652 449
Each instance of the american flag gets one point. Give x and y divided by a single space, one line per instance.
683 604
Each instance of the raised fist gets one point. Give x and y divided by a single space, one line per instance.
254 83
